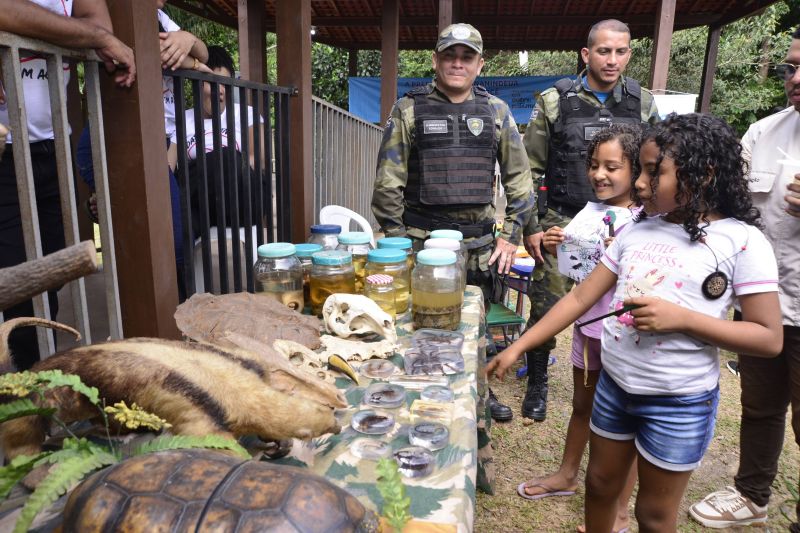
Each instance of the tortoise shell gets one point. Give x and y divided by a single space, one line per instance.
202 490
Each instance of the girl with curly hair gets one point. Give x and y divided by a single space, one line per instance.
676 272
612 164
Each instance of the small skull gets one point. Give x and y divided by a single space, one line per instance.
304 359
351 314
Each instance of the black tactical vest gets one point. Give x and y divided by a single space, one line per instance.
453 155
578 121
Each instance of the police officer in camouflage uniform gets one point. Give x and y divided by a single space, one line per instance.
563 121
436 168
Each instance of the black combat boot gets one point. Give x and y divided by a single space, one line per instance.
535 403
499 411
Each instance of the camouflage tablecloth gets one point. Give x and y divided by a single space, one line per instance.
446 496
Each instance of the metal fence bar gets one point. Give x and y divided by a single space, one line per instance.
345 152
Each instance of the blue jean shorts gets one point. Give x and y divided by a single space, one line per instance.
671 432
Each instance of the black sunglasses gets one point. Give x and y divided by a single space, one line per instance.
786 71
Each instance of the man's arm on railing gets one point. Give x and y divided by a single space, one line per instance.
89 27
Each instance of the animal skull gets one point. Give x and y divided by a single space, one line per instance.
304 359
351 314
350 350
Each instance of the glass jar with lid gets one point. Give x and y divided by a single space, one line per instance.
440 243
399 243
358 244
325 235
304 251
279 275
451 234
331 272
380 288
392 262
436 292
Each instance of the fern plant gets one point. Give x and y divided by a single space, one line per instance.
78 457
396 504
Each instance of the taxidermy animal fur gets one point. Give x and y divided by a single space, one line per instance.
198 388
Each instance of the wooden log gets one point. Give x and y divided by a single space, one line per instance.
22 282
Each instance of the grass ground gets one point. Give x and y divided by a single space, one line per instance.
522 451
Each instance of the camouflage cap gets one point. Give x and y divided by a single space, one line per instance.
465 34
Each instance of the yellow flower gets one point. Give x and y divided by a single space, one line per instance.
134 417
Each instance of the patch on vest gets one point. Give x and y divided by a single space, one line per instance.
434 126
475 126
590 131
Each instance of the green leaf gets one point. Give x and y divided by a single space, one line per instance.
56 378
17 469
22 407
60 479
176 442
395 503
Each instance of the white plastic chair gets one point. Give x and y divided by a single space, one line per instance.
336 214
213 238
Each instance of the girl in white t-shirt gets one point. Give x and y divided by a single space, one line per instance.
676 272
612 162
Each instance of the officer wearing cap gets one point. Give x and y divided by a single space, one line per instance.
562 123
437 160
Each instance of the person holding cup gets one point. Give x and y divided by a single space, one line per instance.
772 148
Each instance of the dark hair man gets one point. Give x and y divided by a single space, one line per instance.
562 123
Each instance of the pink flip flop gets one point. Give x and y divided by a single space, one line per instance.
548 492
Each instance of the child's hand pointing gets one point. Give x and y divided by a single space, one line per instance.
655 314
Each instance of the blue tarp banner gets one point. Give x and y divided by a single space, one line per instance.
519 92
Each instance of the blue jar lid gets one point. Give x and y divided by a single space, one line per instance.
354 237
386 255
435 257
326 229
398 243
447 234
332 257
276 249
306 249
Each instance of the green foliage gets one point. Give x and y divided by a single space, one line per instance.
177 442
396 504
18 468
22 407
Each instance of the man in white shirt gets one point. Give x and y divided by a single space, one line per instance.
72 23
769 386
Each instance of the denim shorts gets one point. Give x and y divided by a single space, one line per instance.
671 432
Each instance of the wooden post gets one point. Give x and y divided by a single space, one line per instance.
390 30
709 67
252 41
445 14
293 24
138 181
352 62
76 122
662 40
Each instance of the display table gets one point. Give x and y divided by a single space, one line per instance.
447 496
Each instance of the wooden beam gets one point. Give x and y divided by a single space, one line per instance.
505 20
445 14
293 20
662 42
390 33
207 11
252 41
709 67
352 62
139 186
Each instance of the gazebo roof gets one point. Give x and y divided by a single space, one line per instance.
504 24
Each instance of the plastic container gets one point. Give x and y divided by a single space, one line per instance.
331 272
450 234
380 289
436 291
325 235
304 251
358 244
278 274
392 262
442 243
399 243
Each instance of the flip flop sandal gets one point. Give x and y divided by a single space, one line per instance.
548 491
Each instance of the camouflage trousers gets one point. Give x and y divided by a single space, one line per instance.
478 273
548 285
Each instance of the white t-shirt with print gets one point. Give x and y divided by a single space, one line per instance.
167 84
33 71
656 258
582 249
191 140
